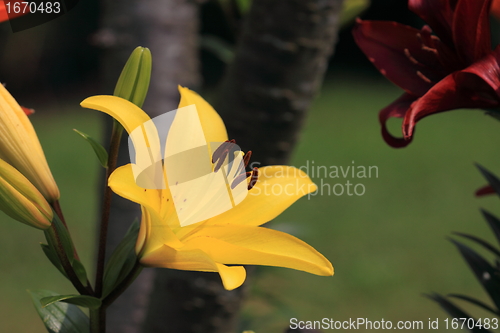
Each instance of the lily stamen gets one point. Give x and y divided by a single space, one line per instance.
246 158
423 77
253 180
241 177
411 58
222 150
430 49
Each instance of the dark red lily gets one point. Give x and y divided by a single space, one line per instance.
452 68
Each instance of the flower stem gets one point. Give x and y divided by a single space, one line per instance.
57 208
98 320
127 281
114 146
53 238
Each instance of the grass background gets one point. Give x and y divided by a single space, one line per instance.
388 246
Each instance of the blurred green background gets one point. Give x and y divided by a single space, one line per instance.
388 246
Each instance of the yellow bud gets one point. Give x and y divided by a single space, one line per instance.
19 146
21 200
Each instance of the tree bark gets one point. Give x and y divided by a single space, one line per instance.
278 69
169 28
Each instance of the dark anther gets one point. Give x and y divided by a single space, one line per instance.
222 152
246 158
253 179
229 148
221 149
238 179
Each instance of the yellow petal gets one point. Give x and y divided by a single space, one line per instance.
126 113
143 133
122 182
19 146
195 260
212 123
277 188
158 213
21 200
197 191
246 245
157 233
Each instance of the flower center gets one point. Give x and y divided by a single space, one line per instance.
229 149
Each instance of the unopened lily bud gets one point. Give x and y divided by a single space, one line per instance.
21 200
133 82
19 146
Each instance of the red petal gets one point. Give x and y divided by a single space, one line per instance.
438 14
3 12
471 29
486 190
495 8
397 109
488 69
28 111
397 52
474 87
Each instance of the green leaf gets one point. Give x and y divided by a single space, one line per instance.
99 150
54 259
491 178
475 302
493 222
481 242
80 300
486 274
64 237
80 271
121 261
68 247
60 317
351 9
454 311
493 113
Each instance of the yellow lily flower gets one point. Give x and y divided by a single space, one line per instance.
233 236
19 146
21 200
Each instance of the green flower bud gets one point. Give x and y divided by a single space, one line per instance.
133 82
20 199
